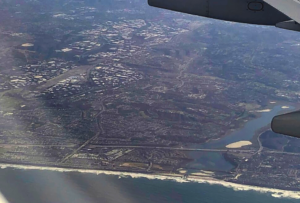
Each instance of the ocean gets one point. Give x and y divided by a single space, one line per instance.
35 186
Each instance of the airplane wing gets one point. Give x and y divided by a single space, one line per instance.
287 124
281 13
291 8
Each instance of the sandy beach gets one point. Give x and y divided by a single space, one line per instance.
174 177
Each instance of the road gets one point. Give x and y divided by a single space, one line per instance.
279 152
260 145
150 166
75 151
169 148
100 128
35 145
180 76
99 124
181 73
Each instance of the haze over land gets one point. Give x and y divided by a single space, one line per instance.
118 86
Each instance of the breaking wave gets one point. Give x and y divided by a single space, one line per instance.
172 177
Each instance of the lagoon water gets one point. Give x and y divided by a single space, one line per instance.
248 131
215 160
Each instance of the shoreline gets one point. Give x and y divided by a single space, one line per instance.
259 114
277 193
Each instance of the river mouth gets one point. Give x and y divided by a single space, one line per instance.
215 161
248 131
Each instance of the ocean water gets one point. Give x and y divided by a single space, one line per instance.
35 186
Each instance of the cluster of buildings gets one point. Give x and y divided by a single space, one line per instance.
36 74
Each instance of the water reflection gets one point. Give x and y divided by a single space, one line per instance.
212 161
248 131
48 187
215 160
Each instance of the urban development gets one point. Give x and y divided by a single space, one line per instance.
125 87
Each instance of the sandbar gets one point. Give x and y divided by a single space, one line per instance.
239 144
27 45
262 111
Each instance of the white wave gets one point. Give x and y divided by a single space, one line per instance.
174 177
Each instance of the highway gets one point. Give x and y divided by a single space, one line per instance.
169 148
260 145
189 149
182 68
279 152
36 145
100 128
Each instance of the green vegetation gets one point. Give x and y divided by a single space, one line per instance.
2 150
142 113
9 103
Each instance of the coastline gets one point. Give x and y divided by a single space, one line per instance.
259 113
278 193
